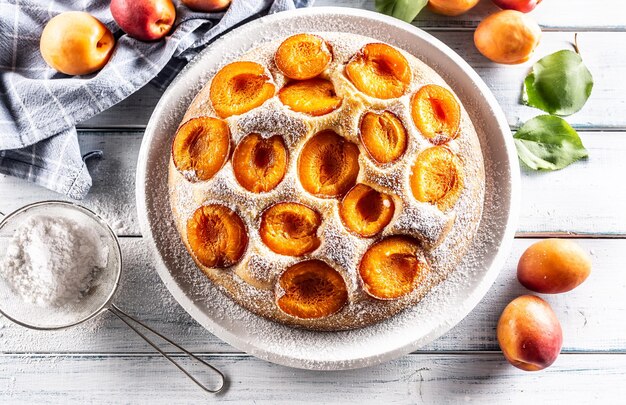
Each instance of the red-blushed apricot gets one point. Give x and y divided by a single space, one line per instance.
328 165
217 236
201 147
436 177
380 71
260 164
314 96
207 6
239 87
312 289
451 7
290 228
303 56
436 113
529 333
393 267
383 136
366 211
553 266
525 6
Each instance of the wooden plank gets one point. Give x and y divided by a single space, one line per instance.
603 111
432 378
591 316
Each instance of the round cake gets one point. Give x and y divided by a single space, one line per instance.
326 180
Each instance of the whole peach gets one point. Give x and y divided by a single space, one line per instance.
76 43
553 266
145 20
525 6
507 36
451 7
207 6
529 333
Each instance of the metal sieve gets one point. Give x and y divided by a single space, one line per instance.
98 299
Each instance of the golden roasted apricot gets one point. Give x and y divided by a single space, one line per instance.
260 164
436 113
383 136
328 165
303 56
314 96
392 267
217 236
201 147
312 289
290 228
451 7
380 71
366 211
436 177
239 87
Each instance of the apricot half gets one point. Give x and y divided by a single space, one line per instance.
380 71
383 136
392 267
290 229
436 177
201 147
217 236
436 113
302 56
260 164
239 87
313 289
366 211
328 165
314 96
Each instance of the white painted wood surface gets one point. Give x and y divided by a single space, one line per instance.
103 362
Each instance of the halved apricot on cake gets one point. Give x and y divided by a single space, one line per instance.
328 165
380 71
366 211
436 177
260 164
216 235
290 229
201 147
313 97
392 267
312 289
383 136
436 113
303 56
239 87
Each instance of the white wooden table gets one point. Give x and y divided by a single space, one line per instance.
103 361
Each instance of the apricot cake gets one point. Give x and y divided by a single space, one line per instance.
326 180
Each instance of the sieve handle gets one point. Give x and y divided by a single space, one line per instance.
124 317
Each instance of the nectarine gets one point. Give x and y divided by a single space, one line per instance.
525 6
145 20
207 6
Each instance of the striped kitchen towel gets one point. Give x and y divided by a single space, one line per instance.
39 107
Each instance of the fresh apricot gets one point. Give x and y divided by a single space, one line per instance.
312 289
451 7
217 236
366 211
290 228
314 96
392 267
436 177
239 87
259 163
328 165
383 136
303 56
436 113
553 266
507 36
380 71
201 147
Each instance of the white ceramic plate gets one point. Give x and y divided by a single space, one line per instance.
443 307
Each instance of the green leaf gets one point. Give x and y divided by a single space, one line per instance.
405 10
548 142
558 84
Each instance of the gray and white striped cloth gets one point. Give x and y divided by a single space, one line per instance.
40 107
